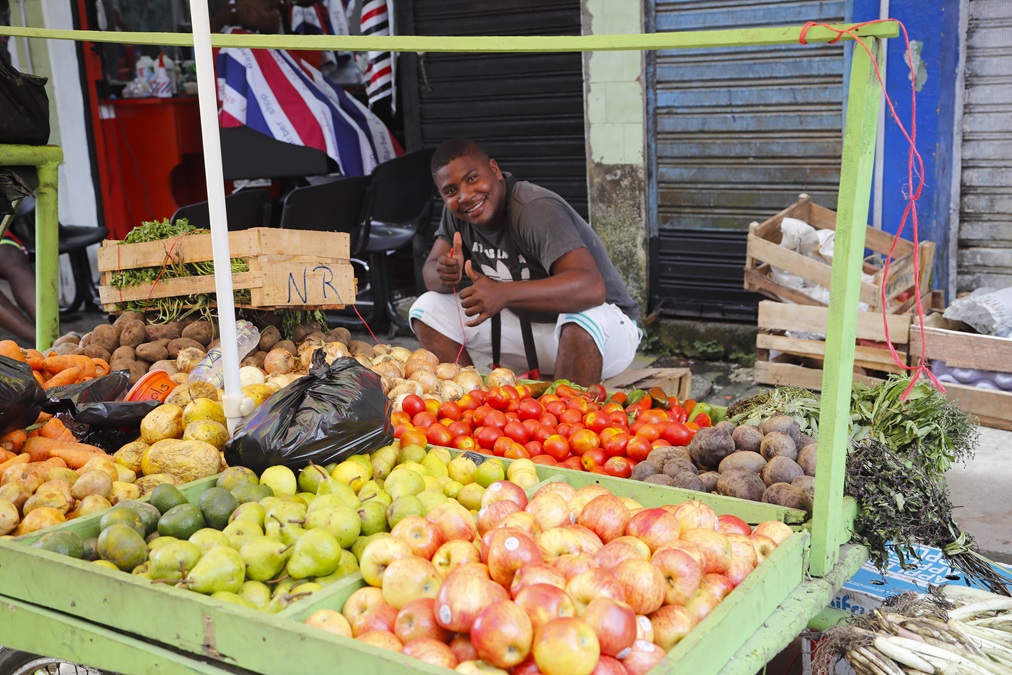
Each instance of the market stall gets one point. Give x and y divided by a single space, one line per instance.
72 609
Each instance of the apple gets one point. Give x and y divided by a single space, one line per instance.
453 521
566 646
586 586
549 509
479 667
644 629
762 545
775 530
558 541
616 551
502 634
613 622
462 648
417 619
421 536
544 602
331 621
462 597
739 569
570 565
377 556
682 574
741 547
504 490
383 639
407 579
686 547
717 585
528 667
430 651
379 617
489 516
536 573
564 490
359 602
716 548
522 521
642 657
608 665
606 516
643 584
587 540
701 605
655 527
508 551
671 623
643 549
592 490
478 568
454 553
731 524
693 514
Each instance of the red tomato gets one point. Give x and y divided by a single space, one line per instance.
511 416
660 443
564 429
496 418
648 431
654 416
424 420
555 407
557 447
544 459
401 428
571 416
463 442
437 434
534 448
532 426
579 403
467 416
613 407
467 402
542 432
545 399
459 429
620 419
594 457
487 436
450 410
607 433
573 463
529 409
432 405
524 391
497 398
638 448
702 419
549 420
517 432
517 451
616 444
414 437
573 428
597 392
501 445
512 392
564 391
677 434
413 404
478 395
597 420
478 414
619 466
599 470
584 441
399 417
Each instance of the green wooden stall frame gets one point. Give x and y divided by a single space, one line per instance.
771 608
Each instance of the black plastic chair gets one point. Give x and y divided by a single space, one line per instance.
248 154
243 209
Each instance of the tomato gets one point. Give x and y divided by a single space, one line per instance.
579 403
401 428
414 437
692 426
467 417
413 404
615 445
517 432
653 416
648 431
467 402
583 441
463 442
544 459
620 419
534 448
513 407
556 446
563 428
638 448
573 428
677 434
571 416
496 418
511 416
620 467
517 451
597 420
459 428
702 419
542 432
545 399
549 420
501 445
424 420
532 426
432 405
529 409
573 463
607 433
613 407
593 458
677 414
498 398
438 434
597 392
555 407
399 417
449 410
660 443
599 470
524 391
487 436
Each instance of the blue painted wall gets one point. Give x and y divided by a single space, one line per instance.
935 24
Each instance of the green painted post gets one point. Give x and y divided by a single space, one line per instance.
841 331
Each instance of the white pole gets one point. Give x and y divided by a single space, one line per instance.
232 402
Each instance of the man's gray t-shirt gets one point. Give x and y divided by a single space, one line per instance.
543 227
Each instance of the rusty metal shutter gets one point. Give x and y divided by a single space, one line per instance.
737 134
985 206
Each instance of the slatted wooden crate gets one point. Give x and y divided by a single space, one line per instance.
292 269
764 251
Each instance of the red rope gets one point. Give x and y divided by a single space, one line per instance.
915 166
463 334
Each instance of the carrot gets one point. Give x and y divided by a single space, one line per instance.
43 418
63 378
38 377
11 350
23 458
57 364
33 357
6 454
54 429
75 455
101 367
14 440
40 469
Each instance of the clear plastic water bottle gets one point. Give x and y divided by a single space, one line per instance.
210 369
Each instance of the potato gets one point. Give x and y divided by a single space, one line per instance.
688 480
96 352
743 459
66 348
803 440
780 469
151 352
661 455
288 346
806 458
361 348
725 425
806 483
644 470
133 333
164 331
747 437
709 446
216 342
709 479
179 344
785 424
85 340
106 337
785 494
138 369
741 484
777 443
677 465
339 334
256 360
167 365
304 330
126 317
69 337
124 354
658 479
201 332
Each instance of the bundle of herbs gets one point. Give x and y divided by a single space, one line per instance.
801 404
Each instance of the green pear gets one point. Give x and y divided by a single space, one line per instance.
381 468
434 465
404 507
430 499
410 453
233 598
241 531
332 486
257 593
347 566
352 473
388 454
253 511
285 532
403 483
268 502
220 569
286 512
382 496
364 541
311 477
207 538
281 479
374 517
307 497
264 557
297 591
340 521
328 502
317 553
158 542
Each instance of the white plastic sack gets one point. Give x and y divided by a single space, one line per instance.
988 311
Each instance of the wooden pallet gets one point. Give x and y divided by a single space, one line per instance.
763 251
292 269
675 382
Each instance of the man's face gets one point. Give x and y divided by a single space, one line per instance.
474 190
263 16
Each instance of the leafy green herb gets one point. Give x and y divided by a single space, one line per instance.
801 404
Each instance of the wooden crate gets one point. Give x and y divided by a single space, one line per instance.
675 382
764 250
800 358
294 269
945 341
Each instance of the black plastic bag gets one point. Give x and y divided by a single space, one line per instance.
105 388
334 412
92 413
24 107
21 397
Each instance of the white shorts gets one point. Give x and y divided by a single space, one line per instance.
616 335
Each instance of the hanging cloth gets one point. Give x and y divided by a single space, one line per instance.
377 19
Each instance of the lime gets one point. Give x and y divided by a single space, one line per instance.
181 521
165 496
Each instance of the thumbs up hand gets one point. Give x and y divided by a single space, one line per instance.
483 299
448 266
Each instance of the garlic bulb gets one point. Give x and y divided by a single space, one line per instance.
501 377
447 371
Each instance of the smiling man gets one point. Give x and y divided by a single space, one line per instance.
517 274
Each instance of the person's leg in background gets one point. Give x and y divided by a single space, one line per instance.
14 268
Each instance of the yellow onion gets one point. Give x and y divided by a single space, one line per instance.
279 361
402 354
412 366
450 391
447 371
501 377
469 379
388 369
425 354
335 350
428 380
364 361
380 348
402 386
306 359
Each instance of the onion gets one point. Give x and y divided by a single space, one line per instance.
380 348
310 341
425 354
335 350
279 361
282 380
469 379
402 386
306 359
364 361
398 402
250 375
450 391
388 369
414 365
428 380
358 347
402 354
501 377
385 384
447 371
